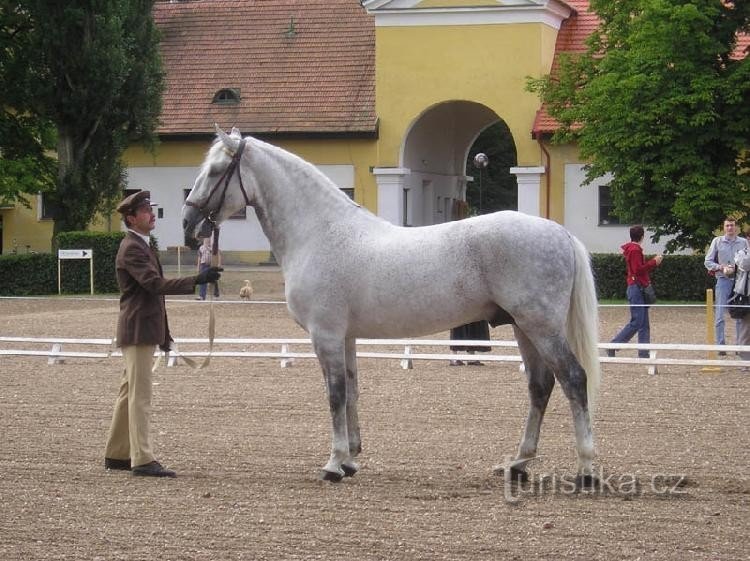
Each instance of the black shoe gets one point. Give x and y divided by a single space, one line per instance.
111 463
475 363
722 353
611 352
153 469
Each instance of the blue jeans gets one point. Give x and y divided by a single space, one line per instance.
202 287
638 321
723 292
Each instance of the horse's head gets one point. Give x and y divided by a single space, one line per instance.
218 191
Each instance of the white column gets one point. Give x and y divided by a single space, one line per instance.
529 183
391 183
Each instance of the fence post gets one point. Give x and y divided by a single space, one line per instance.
710 330
286 362
407 363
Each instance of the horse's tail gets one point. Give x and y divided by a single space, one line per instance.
583 322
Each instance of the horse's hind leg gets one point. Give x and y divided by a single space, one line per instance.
351 467
572 377
541 381
331 354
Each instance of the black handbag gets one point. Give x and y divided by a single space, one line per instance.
738 303
648 293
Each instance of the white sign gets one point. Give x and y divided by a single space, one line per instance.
75 253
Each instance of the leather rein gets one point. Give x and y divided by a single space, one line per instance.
225 177
210 216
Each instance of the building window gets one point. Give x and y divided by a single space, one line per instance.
44 212
606 207
407 207
349 193
227 95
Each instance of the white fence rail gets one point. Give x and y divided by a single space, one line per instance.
57 349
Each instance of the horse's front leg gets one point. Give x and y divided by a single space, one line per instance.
350 466
331 354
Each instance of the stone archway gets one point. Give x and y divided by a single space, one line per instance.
432 174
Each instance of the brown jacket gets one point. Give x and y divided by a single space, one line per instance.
143 315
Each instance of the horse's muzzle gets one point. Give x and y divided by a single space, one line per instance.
191 242
195 227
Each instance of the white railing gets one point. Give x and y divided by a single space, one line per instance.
57 349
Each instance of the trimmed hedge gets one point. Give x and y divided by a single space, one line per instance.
30 274
36 274
679 277
75 272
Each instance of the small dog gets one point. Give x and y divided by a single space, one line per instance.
246 292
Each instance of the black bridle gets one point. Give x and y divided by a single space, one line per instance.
226 177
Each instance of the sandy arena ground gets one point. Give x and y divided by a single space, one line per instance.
247 439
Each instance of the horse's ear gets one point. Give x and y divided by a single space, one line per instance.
224 137
235 132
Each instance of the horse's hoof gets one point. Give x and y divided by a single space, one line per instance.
514 474
349 471
519 475
332 476
586 481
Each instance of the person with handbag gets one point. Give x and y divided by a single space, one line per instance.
638 270
720 262
742 262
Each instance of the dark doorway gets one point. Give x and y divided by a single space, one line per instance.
494 187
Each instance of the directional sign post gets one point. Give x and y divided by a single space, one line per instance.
75 254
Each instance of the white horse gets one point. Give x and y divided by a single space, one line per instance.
351 274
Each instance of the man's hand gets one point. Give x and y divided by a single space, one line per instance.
212 274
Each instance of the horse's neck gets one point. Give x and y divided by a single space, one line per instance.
294 204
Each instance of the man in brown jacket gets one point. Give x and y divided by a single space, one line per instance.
141 326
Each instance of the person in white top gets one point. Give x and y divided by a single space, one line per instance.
204 263
720 263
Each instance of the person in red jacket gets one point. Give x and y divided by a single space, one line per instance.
637 276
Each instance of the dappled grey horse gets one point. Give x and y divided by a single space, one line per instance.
350 274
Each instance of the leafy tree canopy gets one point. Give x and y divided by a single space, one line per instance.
25 139
659 101
94 70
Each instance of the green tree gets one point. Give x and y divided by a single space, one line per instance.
659 101
494 187
94 70
25 139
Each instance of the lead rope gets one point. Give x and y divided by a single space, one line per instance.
211 316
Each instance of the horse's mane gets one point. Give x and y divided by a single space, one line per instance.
319 179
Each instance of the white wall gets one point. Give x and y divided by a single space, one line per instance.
582 216
166 185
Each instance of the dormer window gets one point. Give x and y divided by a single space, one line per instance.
227 95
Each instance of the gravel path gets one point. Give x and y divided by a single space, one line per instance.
247 438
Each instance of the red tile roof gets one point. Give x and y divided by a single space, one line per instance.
300 66
571 39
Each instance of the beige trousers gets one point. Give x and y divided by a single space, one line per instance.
129 435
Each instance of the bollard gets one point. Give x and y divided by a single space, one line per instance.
710 331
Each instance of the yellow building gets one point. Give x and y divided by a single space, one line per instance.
386 97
